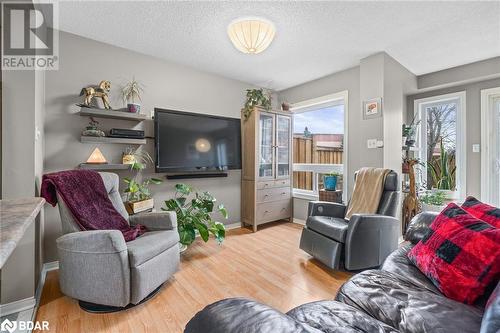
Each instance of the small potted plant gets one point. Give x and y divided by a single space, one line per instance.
330 180
139 197
194 214
131 93
433 201
256 97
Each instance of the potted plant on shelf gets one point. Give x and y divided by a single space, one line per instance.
409 132
256 97
131 92
195 215
433 201
139 197
330 180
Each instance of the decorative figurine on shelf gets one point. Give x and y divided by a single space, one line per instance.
100 91
411 204
92 129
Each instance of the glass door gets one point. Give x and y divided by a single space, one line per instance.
490 150
266 143
283 147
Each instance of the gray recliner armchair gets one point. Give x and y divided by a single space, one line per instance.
104 272
362 242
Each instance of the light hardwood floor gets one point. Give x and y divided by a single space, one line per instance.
267 266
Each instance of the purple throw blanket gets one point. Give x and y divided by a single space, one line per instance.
84 193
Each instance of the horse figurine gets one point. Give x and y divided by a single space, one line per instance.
100 91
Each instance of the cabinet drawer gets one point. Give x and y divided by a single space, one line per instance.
273 194
273 183
272 211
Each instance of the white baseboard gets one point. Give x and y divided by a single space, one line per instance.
17 306
299 221
233 226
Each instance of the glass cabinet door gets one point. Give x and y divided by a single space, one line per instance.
266 160
283 147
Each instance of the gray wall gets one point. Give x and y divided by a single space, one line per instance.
473 118
22 163
84 62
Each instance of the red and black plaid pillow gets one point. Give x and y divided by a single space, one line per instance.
459 254
482 211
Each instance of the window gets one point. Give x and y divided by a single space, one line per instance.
490 146
318 143
441 143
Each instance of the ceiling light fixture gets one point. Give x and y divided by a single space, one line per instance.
251 35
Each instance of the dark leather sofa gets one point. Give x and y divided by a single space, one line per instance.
395 298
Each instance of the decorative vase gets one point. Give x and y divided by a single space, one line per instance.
330 183
134 107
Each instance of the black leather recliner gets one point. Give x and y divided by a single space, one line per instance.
362 242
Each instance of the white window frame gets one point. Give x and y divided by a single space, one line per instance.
309 105
461 145
487 96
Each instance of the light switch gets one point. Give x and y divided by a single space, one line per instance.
371 143
476 148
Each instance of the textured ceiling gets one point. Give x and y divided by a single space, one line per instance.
313 38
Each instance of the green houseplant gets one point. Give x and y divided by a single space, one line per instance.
433 201
255 97
443 171
194 214
330 180
138 193
131 93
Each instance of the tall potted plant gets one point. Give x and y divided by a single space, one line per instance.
443 173
131 93
139 196
194 215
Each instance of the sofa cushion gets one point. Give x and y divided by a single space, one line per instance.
407 307
482 211
332 227
150 245
460 254
398 263
333 317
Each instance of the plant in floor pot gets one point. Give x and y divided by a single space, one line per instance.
330 180
194 215
131 92
443 173
139 197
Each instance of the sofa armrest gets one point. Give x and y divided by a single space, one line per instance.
94 267
324 208
370 239
95 241
236 315
156 220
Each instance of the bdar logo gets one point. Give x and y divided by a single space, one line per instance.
9 326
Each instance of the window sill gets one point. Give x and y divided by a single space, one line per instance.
304 195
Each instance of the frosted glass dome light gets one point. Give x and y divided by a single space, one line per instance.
251 35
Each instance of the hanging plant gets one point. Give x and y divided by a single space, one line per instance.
256 97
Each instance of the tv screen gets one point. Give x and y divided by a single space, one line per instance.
191 142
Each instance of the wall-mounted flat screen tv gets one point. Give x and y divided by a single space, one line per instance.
192 142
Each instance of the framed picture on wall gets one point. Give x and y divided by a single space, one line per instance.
372 108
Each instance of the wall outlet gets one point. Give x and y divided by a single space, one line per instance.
371 143
380 143
476 148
